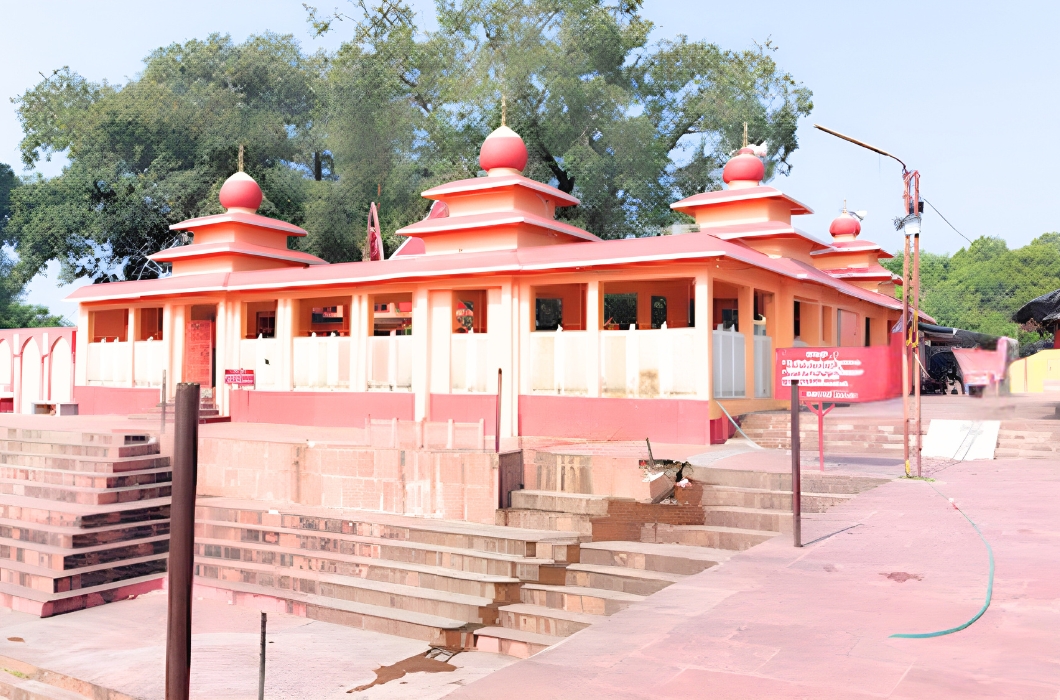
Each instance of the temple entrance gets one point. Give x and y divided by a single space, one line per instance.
200 347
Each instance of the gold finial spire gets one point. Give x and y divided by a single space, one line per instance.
844 206
745 134
504 111
240 157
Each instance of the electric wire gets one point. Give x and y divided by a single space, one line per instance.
989 585
737 426
946 220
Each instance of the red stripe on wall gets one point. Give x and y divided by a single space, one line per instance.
112 400
681 421
340 409
465 408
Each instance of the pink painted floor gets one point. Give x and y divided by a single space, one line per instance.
781 622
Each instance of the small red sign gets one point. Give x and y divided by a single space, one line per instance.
239 377
844 375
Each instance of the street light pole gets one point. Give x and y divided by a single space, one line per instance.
909 223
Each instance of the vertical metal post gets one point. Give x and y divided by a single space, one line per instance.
905 355
796 467
916 342
163 402
261 664
182 541
497 425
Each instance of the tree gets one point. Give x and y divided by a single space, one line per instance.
625 126
155 151
980 287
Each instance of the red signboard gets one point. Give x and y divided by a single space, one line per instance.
844 375
239 377
198 353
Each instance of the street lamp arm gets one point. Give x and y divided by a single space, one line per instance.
853 140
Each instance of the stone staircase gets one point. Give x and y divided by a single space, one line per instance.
1028 439
843 434
208 412
426 579
84 518
24 681
610 577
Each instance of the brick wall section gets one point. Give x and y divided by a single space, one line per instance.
625 518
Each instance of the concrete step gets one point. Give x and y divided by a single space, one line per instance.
65 559
19 688
75 437
769 499
541 620
496 564
44 604
58 493
545 520
714 536
89 480
512 642
79 463
748 518
433 629
30 510
619 578
43 580
559 546
37 535
656 557
781 481
138 449
426 601
23 671
560 502
595 601
293 560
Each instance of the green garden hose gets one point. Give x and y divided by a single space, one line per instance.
989 586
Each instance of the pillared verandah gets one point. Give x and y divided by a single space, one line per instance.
595 338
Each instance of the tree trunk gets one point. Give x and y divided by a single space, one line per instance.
318 172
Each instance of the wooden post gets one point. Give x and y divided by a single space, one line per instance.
905 355
261 663
182 541
497 425
796 467
916 342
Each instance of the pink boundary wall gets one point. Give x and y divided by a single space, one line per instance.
679 421
465 408
106 400
338 409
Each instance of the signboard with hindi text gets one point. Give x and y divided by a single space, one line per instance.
198 353
239 377
842 375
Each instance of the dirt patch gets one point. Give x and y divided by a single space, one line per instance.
902 577
16 639
414 664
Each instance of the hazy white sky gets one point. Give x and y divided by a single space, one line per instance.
966 92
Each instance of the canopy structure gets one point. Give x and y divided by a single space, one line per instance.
1044 310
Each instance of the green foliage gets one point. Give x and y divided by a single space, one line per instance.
979 288
626 126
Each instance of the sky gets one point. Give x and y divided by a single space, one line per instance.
964 92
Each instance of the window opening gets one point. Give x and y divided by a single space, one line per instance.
620 311
658 312
548 314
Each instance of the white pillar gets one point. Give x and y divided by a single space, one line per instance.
703 344
130 338
285 341
176 365
220 391
16 372
45 392
592 327
421 352
80 350
441 319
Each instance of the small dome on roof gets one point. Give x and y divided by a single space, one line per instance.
744 167
240 192
503 149
845 227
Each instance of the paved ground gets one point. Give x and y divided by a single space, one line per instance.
781 622
122 646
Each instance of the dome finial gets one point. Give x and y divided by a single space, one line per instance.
504 111
744 135
240 157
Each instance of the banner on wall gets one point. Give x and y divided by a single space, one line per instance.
843 374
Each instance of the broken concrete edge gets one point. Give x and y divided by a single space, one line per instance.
27 671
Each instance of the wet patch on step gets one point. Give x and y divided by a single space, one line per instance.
428 662
902 577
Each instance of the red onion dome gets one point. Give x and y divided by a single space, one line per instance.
240 192
744 166
503 149
845 225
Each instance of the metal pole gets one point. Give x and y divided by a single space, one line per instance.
163 402
796 467
916 341
261 665
182 541
905 355
497 425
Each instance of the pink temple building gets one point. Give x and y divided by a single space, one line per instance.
594 339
